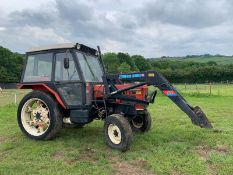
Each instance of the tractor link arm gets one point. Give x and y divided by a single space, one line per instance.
154 78
111 91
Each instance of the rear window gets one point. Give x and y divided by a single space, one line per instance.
38 68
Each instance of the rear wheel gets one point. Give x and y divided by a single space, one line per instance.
117 132
142 122
39 116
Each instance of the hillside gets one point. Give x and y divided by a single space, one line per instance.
219 59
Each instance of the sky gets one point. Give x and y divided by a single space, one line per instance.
151 28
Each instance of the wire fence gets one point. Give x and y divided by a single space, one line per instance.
219 89
13 96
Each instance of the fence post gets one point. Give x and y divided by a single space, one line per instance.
210 88
15 98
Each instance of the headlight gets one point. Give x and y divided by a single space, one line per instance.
78 46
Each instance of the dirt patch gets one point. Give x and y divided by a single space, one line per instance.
58 155
3 155
140 163
88 155
211 169
223 149
203 152
175 172
136 167
2 139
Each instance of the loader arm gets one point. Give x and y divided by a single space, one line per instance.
153 78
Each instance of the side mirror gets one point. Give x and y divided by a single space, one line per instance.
66 63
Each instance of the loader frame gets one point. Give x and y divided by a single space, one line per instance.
153 78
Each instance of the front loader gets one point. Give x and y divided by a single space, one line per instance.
153 78
70 88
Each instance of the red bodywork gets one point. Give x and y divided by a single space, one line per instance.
139 92
42 87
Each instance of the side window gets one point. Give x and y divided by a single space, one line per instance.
62 74
38 68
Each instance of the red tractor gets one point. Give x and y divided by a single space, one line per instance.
70 87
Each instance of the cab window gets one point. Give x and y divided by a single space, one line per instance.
91 67
62 74
38 68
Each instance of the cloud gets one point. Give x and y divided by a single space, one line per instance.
150 28
2 28
189 13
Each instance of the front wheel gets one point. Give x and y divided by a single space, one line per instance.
39 116
117 132
142 122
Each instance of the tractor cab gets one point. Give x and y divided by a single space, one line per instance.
70 70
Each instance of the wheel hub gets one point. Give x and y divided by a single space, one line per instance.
35 117
114 133
138 122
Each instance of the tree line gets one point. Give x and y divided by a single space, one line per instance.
11 65
176 71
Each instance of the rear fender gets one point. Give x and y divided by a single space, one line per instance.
45 88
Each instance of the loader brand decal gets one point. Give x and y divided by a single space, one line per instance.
151 74
127 76
170 93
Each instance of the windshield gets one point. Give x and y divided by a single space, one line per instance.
91 67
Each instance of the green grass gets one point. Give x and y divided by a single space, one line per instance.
202 59
172 146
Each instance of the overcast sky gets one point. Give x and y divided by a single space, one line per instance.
151 28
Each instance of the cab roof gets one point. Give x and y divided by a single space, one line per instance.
78 46
50 47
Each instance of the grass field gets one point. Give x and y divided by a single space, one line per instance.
202 59
172 146
219 60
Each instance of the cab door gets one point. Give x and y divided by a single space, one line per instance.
68 79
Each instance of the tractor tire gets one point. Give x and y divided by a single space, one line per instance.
142 122
117 132
38 116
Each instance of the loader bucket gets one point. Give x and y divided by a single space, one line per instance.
201 119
